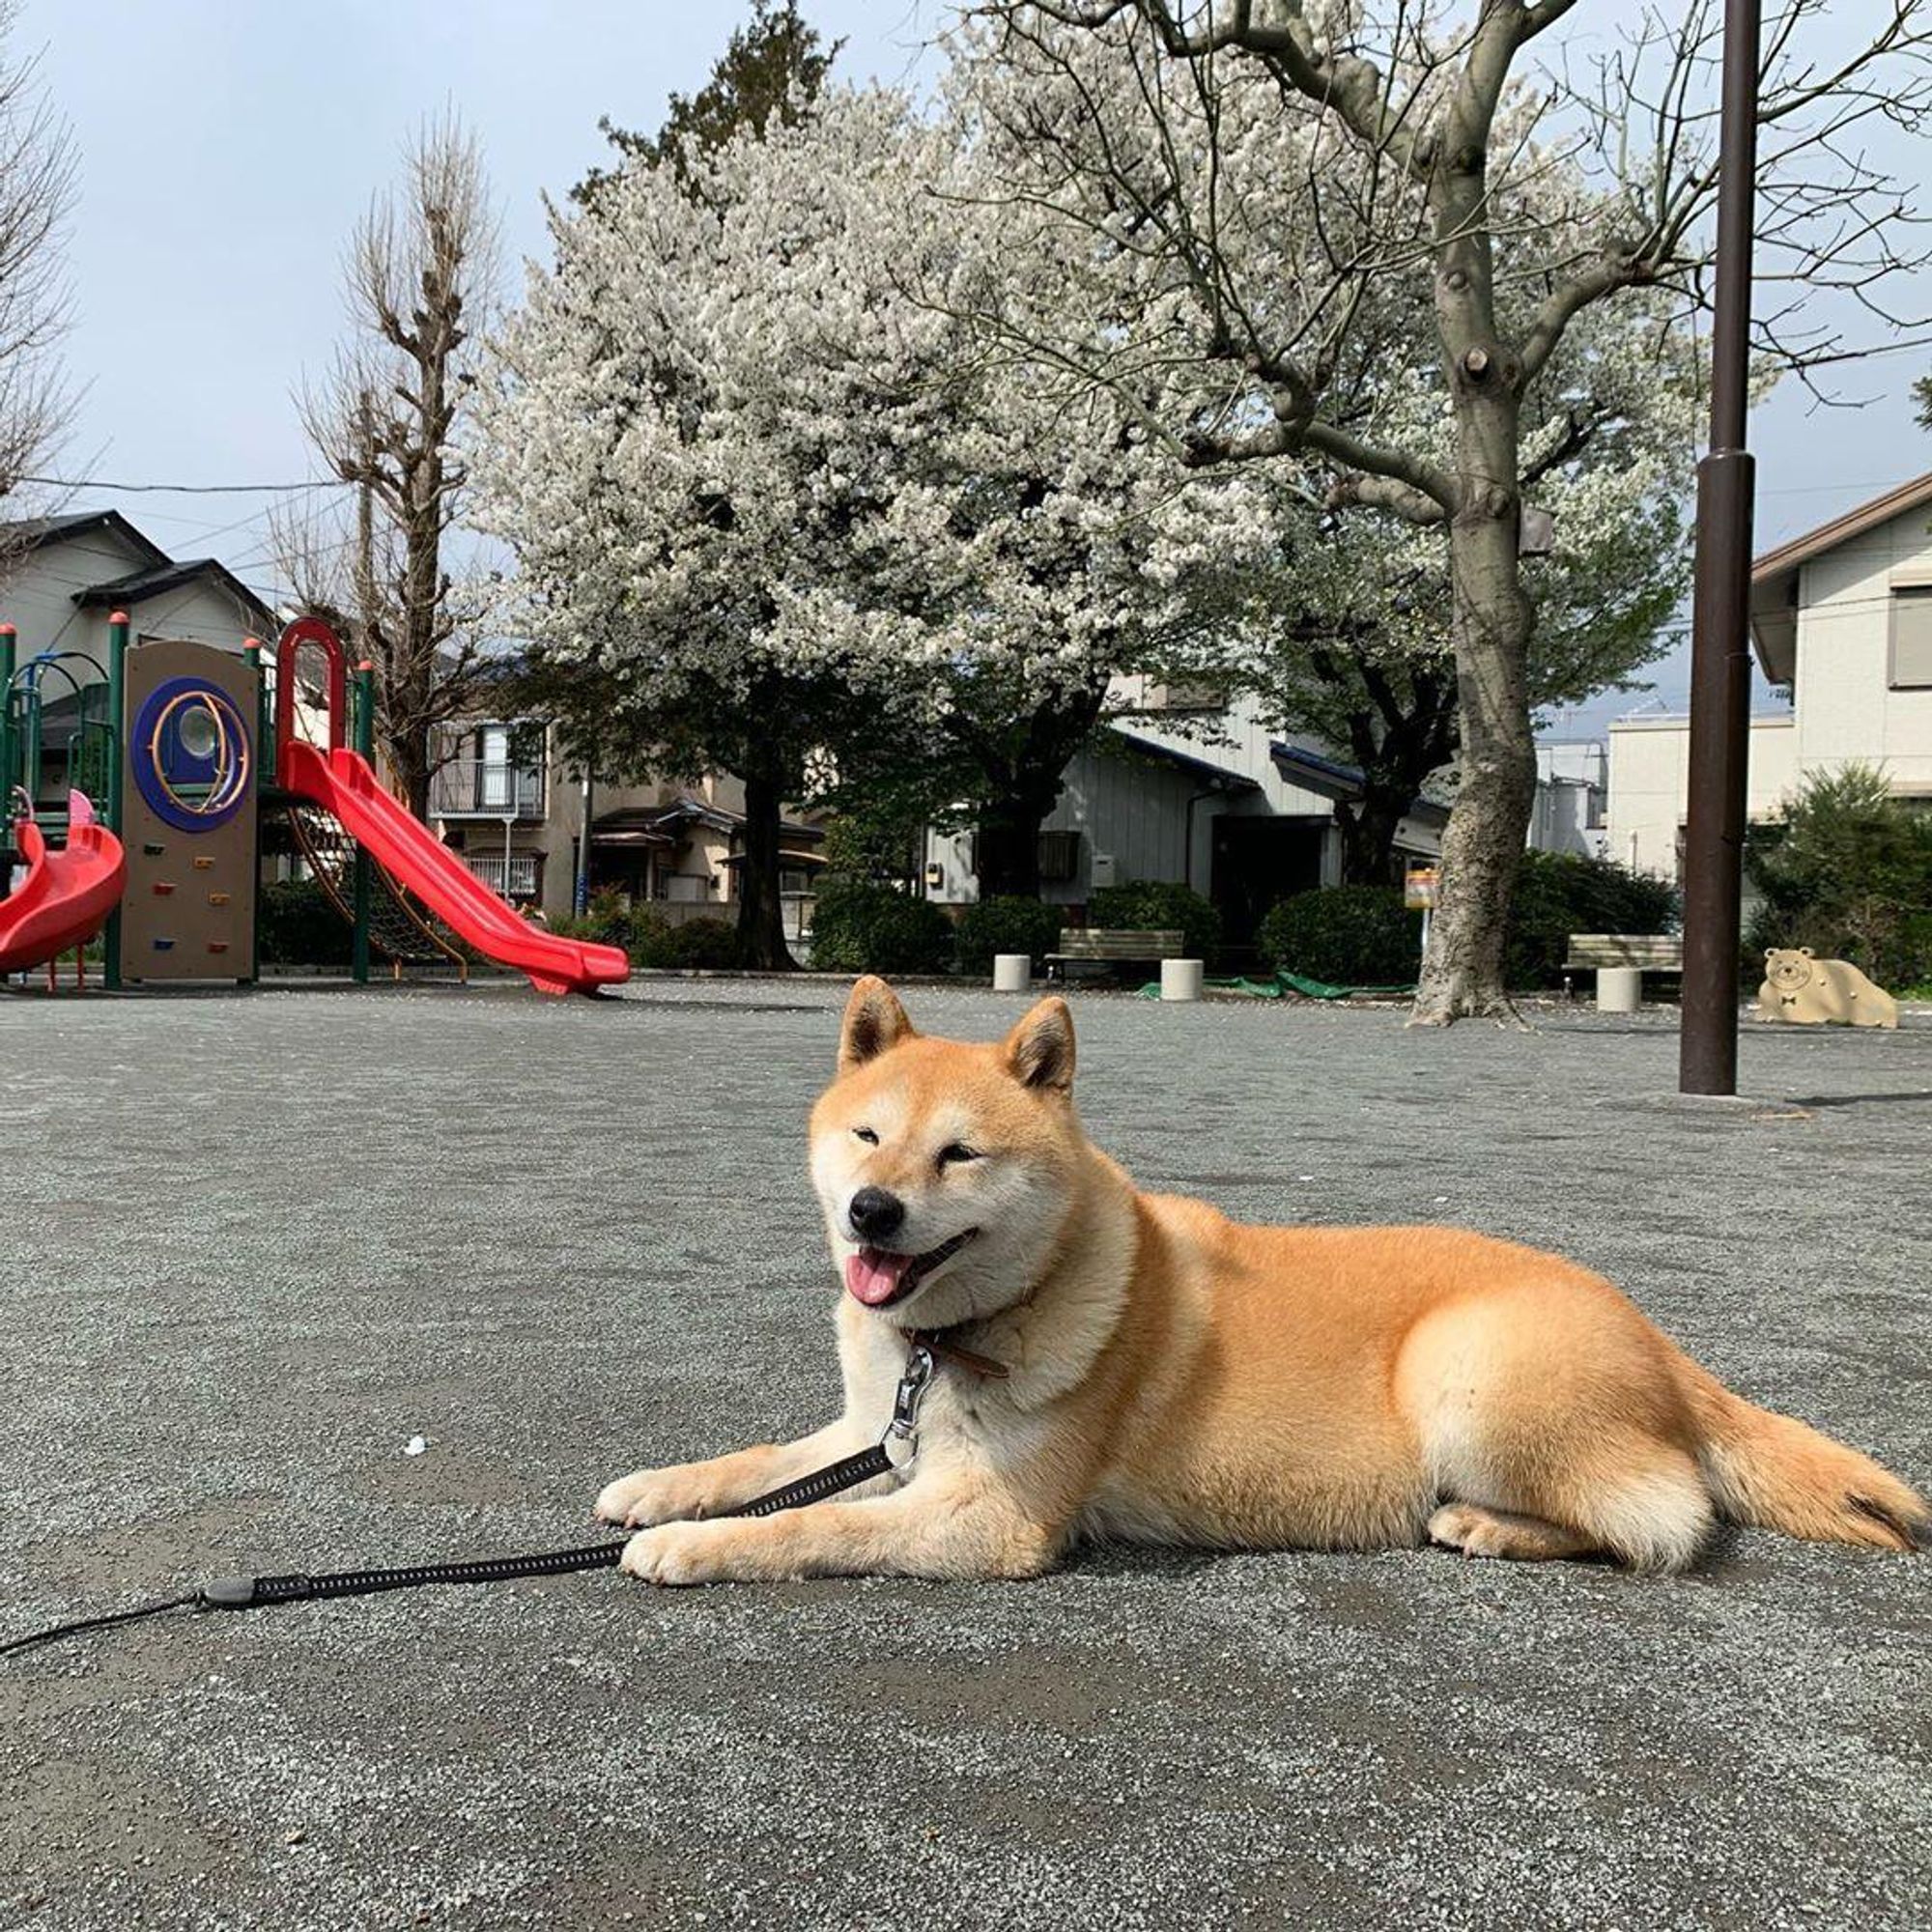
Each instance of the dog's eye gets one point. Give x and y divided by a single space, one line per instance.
866 1135
954 1150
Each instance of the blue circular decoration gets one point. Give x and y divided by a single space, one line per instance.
192 755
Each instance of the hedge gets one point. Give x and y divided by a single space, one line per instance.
860 926
1155 905
1560 893
1008 925
1349 935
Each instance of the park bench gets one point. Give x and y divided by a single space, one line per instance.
1111 946
1646 952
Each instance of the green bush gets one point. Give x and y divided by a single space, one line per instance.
1849 874
1156 905
1348 935
643 931
699 945
1561 893
299 926
1008 925
859 926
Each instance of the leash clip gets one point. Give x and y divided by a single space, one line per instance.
902 1432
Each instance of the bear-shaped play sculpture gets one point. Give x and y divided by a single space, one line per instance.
1816 993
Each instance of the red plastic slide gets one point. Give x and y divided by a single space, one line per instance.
65 897
342 781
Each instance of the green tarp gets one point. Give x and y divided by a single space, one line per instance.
1285 982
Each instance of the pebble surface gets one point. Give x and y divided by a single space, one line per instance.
253 1251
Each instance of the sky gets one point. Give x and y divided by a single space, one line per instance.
227 147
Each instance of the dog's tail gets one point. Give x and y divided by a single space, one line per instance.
1772 1471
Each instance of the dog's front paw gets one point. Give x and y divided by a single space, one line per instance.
643 1497
676 1552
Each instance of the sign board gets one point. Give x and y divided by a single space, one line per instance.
1418 886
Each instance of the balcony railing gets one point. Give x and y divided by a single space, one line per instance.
487 789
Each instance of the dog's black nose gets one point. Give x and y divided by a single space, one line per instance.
875 1214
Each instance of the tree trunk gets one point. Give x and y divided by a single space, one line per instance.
1462 974
1007 854
1490 619
1024 772
1368 833
409 768
761 940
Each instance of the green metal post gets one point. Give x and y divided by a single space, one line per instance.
251 652
116 724
362 718
6 656
7 660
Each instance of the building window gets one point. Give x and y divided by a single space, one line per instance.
1058 858
1912 638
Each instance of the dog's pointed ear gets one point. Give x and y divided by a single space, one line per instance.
874 1020
1039 1050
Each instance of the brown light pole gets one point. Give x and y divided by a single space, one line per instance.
1714 838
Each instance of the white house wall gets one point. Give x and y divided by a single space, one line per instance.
1650 779
1130 808
38 600
1845 711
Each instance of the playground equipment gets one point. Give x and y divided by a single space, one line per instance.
52 900
65 897
176 741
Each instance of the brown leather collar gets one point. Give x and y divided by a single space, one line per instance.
940 1342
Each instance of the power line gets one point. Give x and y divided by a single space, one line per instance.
185 489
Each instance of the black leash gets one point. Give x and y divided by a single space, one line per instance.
248 1593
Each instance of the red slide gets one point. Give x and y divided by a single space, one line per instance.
341 782
65 897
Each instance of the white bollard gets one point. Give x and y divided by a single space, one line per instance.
1181 978
1013 972
1619 989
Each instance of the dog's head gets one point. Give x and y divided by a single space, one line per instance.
946 1170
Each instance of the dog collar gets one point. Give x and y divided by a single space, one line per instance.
941 1344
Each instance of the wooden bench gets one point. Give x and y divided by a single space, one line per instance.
1647 952
1111 946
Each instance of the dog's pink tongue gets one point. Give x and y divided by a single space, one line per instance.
873 1275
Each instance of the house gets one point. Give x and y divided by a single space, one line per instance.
1841 617
509 801
62 577
1190 786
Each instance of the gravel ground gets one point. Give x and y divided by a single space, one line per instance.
250 1246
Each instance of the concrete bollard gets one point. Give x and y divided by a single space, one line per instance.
1181 978
1619 989
1013 972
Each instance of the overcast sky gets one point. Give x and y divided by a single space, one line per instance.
227 147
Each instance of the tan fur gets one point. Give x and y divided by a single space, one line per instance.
1179 1378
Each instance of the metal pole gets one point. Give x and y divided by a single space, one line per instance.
1720 609
580 895
6 662
116 751
363 739
251 654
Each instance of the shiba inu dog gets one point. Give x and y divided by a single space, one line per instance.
1138 1367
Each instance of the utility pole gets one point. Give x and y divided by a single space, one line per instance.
1720 609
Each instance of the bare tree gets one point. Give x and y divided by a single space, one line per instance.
420 279
1366 237
37 193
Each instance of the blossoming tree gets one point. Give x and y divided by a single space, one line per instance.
770 500
1277 199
